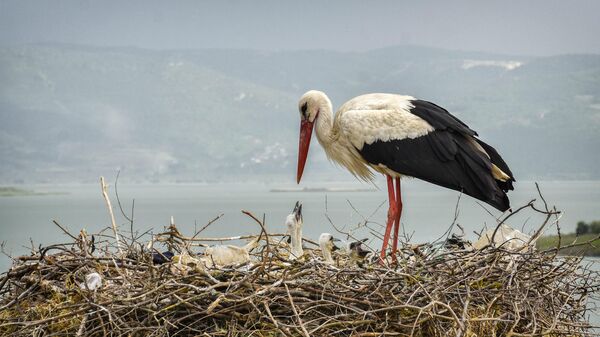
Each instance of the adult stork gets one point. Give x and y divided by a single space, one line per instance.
400 136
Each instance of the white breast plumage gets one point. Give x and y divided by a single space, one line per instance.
365 124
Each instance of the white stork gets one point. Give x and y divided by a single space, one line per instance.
327 245
402 136
294 224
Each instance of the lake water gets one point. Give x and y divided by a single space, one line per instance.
428 210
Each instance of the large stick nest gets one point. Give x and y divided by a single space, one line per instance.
431 291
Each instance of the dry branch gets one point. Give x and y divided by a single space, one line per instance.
112 215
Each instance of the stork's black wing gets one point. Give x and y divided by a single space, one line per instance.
444 157
439 117
441 158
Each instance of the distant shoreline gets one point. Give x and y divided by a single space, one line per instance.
8 191
321 189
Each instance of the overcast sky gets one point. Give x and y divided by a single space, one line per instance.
540 27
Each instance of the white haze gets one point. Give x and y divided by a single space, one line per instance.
190 91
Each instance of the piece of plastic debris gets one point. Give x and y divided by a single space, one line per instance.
506 237
93 281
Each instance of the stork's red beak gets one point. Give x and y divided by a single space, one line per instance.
306 129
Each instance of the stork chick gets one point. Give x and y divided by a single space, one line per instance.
357 253
326 242
86 245
227 255
294 224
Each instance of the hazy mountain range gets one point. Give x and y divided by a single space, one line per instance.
72 113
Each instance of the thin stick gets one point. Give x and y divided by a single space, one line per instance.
64 230
206 226
112 215
119 199
304 331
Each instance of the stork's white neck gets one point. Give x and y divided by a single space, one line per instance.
327 257
324 121
336 146
296 236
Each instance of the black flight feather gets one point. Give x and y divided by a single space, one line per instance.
443 158
439 117
498 161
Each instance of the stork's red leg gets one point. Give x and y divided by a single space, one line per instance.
391 217
397 220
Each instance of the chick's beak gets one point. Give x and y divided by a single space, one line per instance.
333 246
298 211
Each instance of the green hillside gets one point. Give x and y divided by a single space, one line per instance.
71 113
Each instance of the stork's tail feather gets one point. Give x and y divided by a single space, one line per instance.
505 184
500 201
483 184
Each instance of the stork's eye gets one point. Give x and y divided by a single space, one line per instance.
303 108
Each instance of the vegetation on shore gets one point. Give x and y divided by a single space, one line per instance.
585 228
584 242
572 244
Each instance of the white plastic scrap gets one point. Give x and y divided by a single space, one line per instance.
93 281
506 236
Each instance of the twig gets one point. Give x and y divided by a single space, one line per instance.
304 331
207 225
110 212
64 230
